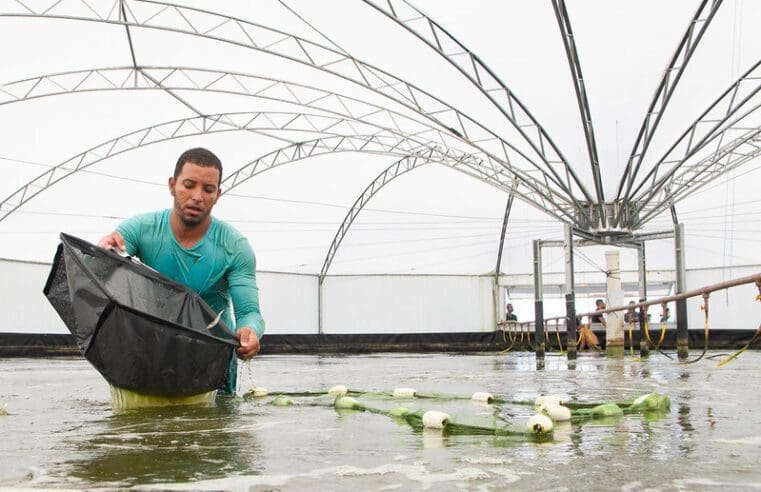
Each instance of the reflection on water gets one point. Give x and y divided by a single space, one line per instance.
175 444
63 433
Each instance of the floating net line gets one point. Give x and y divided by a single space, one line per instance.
410 406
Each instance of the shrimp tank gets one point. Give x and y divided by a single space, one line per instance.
60 431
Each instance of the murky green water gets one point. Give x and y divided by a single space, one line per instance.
62 432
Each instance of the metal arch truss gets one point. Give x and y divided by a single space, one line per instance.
671 76
264 123
487 82
176 78
466 164
355 113
402 166
538 171
351 115
332 144
692 177
720 120
569 43
174 18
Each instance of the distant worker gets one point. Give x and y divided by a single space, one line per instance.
665 314
599 318
510 315
587 338
630 316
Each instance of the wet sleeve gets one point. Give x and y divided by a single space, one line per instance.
243 290
132 230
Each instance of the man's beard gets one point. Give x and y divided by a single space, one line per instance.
188 220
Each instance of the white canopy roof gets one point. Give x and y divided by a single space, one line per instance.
104 95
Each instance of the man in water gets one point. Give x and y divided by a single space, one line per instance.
188 245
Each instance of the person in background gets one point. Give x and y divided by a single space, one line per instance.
599 318
630 316
665 314
509 314
188 245
587 338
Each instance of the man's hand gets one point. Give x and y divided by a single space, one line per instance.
249 343
113 240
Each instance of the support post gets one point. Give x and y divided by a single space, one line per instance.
614 329
644 349
319 306
570 293
682 338
499 305
570 332
538 301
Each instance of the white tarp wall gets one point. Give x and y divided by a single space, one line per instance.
369 303
351 304
407 304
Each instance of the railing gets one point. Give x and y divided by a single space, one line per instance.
512 329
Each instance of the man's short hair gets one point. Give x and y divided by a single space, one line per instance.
201 157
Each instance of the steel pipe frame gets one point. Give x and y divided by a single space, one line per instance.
204 125
717 120
361 73
294 152
669 80
487 82
157 133
566 32
708 169
184 74
380 88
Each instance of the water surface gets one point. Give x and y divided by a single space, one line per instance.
61 431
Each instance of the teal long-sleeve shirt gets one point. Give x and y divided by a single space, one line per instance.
221 267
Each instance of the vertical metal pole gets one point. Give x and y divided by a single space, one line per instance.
570 332
644 350
642 267
538 303
504 231
570 293
319 305
682 338
499 307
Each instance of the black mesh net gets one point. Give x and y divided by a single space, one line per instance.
142 331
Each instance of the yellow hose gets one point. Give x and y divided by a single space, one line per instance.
704 307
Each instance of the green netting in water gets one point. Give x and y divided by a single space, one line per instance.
403 406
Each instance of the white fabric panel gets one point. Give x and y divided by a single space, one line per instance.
370 304
288 302
735 308
22 304
407 304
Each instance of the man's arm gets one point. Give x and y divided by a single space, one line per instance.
245 297
126 237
